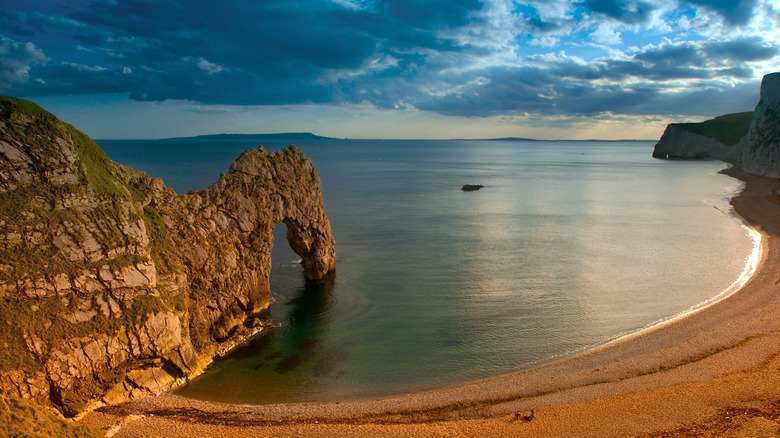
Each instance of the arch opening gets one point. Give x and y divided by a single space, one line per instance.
287 275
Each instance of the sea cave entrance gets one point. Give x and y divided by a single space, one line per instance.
286 270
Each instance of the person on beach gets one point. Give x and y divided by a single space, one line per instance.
528 417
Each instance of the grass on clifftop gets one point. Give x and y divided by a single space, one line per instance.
23 418
727 129
23 106
39 136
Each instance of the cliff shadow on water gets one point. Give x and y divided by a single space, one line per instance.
296 339
292 350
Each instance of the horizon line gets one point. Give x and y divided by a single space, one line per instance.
310 135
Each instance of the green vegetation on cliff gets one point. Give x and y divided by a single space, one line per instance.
69 189
163 249
22 106
23 418
727 129
38 138
40 203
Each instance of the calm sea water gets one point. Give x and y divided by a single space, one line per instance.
568 245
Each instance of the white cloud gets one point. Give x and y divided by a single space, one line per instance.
209 67
552 9
87 68
546 41
606 34
16 59
557 58
349 4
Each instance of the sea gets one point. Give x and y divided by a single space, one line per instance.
569 245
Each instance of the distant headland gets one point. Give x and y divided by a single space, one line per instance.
274 136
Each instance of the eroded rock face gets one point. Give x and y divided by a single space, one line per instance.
761 145
679 143
113 286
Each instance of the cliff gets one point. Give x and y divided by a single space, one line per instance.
113 286
761 145
749 140
717 138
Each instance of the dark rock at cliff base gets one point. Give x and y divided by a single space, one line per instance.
112 286
471 187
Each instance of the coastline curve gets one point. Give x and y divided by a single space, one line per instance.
736 334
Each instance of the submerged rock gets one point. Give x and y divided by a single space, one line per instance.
112 285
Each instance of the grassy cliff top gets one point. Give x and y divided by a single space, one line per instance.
25 418
37 131
727 129
8 104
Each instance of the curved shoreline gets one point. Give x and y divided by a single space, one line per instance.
668 377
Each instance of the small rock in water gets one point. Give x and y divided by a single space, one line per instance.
471 187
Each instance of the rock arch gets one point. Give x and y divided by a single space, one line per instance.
144 286
240 212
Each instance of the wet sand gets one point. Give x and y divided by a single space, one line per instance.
715 372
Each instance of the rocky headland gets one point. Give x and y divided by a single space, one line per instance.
747 140
112 286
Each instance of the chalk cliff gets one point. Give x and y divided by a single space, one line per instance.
749 140
717 138
676 142
112 285
761 146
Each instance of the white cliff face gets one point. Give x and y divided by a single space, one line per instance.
761 146
679 143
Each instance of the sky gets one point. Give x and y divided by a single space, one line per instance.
547 69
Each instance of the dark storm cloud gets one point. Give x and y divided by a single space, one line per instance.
267 53
734 12
431 13
741 50
271 52
67 76
626 11
454 58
